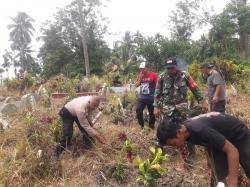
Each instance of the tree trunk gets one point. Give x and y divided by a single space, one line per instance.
83 37
244 36
244 43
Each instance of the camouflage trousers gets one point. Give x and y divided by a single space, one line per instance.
188 150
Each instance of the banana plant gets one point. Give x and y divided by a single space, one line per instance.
150 169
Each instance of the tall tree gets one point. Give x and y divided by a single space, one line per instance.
21 31
230 30
83 37
12 59
222 34
62 51
188 15
84 14
124 49
1 75
244 25
6 62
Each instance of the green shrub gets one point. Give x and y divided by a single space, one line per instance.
150 169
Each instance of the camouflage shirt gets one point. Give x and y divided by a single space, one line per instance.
172 90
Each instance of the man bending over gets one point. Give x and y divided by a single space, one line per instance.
226 137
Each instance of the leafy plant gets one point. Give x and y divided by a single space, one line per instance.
127 148
150 169
56 129
29 119
118 171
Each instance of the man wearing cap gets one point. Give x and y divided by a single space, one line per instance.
171 91
147 80
172 85
216 88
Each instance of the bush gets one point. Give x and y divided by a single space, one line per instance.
14 83
233 71
11 83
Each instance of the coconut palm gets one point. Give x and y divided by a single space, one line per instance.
25 57
21 31
1 76
126 47
6 63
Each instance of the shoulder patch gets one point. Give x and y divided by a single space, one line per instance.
162 75
184 73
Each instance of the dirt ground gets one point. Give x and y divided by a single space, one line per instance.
79 167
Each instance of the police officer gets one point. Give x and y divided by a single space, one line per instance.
78 110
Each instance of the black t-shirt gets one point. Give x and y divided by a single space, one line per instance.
212 129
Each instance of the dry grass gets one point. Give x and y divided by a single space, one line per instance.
20 166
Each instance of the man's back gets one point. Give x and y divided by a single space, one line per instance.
78 105
213 128
213 80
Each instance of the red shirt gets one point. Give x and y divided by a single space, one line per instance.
147 85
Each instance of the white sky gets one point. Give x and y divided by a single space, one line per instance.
147 16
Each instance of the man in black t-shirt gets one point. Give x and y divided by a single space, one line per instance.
227 138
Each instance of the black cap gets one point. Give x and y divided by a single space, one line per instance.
206 65
171 62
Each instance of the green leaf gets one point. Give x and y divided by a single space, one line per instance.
139 179
152 151
142 168
159 152
137 161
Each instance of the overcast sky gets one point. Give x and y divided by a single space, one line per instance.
147 16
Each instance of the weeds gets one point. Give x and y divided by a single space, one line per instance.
28 160
118 171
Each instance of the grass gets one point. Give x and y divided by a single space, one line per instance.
30 132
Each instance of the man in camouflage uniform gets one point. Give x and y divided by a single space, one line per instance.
171 92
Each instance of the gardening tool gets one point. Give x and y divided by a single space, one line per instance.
96 117
93 122
122 109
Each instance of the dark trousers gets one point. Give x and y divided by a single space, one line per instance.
67 131
220 106
141 103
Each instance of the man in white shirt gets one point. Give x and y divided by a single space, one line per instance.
79 110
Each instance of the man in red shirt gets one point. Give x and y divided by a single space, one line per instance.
147 80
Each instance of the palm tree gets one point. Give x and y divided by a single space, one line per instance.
12 59
6 63
25 57
20 34
126 46
1 76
